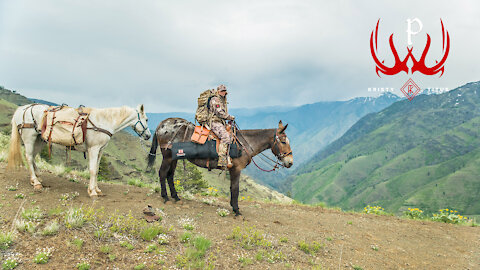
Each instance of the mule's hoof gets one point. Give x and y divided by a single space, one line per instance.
37 187
237 212
177 199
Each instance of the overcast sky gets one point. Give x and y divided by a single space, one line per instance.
268 53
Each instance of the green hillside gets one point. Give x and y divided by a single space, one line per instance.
423 153
13 97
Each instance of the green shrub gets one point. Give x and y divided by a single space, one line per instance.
449 216
377 210
413 213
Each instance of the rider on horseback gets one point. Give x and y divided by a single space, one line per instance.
218 115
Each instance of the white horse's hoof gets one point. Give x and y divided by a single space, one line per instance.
92 193
37 187
99 192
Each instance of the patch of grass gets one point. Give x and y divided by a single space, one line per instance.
356 267
11 261
195 253
283 239
223 212
105 249
77 242
311 249
186 237
6 240
136 182
187 223
149 233
163 239
140 266
19 196
112 257
245 261
250 237
83 266
43 255
51 228
33 214
259 256
25 226
151 248
74 218
57 211
127 245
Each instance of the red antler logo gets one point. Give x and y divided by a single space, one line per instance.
401 65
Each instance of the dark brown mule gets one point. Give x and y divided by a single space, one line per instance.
255 141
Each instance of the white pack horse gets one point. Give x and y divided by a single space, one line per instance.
102 125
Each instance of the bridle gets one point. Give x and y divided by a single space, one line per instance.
276 148
135 126
276 138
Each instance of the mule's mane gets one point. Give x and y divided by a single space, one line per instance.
256 132
117 115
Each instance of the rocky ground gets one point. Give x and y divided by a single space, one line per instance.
266 236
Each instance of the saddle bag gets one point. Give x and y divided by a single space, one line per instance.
183 150
64 125
200 134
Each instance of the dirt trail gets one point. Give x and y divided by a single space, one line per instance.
349 239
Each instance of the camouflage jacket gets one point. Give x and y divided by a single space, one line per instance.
218 110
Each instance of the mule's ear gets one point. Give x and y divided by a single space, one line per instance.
283 129
280 124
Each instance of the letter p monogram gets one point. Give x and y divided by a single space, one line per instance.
409 29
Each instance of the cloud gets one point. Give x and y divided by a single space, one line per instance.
163 53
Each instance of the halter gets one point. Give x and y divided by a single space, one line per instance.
139 121
276 140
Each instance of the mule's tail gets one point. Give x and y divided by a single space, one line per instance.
14 153
153 152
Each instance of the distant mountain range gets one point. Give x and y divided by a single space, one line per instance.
311 126
422 153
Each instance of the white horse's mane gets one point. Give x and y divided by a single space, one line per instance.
118 114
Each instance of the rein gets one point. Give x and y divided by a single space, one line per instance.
276 164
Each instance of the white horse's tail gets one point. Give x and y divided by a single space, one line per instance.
14 154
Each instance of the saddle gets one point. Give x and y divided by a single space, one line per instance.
64 125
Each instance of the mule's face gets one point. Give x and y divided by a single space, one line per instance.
141 126
281 146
